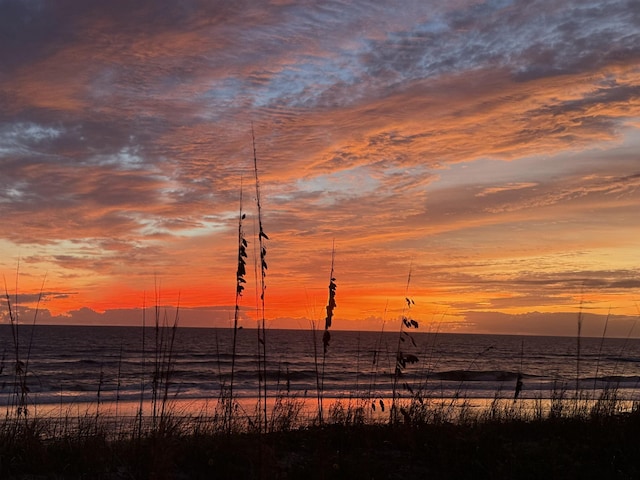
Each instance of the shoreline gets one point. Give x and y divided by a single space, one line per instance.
304 410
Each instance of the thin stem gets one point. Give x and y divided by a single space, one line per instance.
397 371
263 270
240 281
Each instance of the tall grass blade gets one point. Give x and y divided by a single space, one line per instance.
262 236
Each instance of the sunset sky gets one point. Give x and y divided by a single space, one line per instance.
492 148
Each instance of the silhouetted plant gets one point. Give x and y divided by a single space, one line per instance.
287 407
331 305
165 336
168 366
262 334
326 336
604 335
347 413
557 405
577 392
376 359
519 382
403 359
241 271
140 413
20 399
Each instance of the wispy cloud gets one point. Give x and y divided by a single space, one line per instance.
506 188
482 142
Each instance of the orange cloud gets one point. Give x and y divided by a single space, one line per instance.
493 152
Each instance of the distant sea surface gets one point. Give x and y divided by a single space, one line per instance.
72 364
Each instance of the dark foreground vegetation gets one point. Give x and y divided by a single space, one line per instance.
606 447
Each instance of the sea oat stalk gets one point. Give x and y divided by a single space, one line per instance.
326 336
240 281
262 338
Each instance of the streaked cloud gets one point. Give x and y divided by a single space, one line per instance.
492 145
505 188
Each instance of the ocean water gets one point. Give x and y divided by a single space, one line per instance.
67 365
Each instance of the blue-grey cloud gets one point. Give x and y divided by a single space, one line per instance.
125 131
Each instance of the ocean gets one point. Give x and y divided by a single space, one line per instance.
67 365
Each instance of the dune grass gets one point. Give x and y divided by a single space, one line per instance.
497 442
